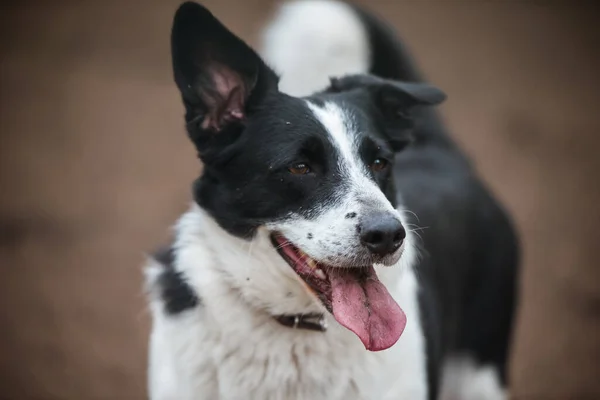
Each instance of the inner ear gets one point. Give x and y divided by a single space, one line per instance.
217 73
224 95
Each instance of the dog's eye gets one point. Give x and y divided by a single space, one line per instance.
379 164
299 169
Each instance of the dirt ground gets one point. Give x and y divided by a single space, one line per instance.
95 166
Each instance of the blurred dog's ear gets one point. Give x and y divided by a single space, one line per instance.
220 77
396 95
394 101
390 93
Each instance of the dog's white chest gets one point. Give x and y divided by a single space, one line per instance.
295 365
253 357
268 363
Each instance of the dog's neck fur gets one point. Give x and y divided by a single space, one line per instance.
220 266
242 284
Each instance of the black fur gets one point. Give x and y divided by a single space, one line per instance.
176 294
390 57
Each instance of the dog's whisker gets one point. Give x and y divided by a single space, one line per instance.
410 212
418 235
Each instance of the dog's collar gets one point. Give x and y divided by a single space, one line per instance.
311 322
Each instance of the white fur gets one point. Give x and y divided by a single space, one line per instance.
231 348
463 379
312 40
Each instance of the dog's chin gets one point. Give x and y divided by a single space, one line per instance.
392 259
352 293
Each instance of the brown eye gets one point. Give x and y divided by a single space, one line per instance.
299 169
379 164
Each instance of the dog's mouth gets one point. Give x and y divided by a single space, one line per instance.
354 295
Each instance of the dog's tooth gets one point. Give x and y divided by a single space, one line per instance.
311 263
320 274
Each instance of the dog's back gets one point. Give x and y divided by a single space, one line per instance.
469 251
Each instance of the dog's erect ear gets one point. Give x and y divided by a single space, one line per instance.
220 77
394 100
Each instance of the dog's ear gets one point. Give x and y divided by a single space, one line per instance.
220 77
394 101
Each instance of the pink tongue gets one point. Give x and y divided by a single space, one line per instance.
363 305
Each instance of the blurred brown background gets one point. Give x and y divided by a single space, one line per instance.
95 165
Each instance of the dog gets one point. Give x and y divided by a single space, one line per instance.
340 245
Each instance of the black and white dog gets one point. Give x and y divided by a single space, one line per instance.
340 246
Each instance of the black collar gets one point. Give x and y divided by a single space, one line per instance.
311 322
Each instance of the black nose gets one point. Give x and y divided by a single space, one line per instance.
381 233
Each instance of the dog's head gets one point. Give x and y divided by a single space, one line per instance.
316 172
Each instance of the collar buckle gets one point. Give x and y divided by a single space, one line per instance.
311 322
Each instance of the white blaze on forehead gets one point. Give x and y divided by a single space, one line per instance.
341 128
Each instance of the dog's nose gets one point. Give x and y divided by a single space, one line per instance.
381 233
